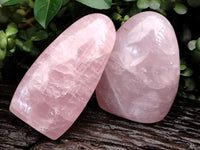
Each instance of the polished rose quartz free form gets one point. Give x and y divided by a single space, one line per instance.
141 78
59 84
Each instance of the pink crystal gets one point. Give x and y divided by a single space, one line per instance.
59 84
141 78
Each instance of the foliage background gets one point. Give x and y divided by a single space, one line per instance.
27 27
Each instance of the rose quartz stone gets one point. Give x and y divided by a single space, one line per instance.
57 87
141 78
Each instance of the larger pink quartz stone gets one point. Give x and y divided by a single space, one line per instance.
59 84
141 78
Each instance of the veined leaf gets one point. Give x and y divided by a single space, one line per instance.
45 10
97 4
10 2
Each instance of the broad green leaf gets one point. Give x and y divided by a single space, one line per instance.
198 43
45 10
191 45
11 29
180 9
3 41
154 4
143 4
10 2
97 4
40 35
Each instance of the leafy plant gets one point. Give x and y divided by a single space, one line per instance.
28 26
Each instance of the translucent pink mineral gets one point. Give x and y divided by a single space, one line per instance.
141 78
59 84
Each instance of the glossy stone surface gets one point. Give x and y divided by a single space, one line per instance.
141 78
57 87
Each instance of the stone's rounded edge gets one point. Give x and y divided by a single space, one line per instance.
113 32
168 24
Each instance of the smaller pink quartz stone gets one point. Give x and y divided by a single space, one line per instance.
141 78
57 87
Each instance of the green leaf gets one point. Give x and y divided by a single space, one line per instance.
143 4
198 43
116 16
28 46
187 73
180 9
11 43
3 41
154 4
45 10
11 29
97 4
126 17
40 35
10 2
2 54
183 67
191 45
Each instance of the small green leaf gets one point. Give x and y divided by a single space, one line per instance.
116 16
191 45
180 9
126 17
187 73
3 40
45 10
198 43
154 4
10 2
11 29
28 46
19 44
97 4
143 4
11 43
183 67
40 35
